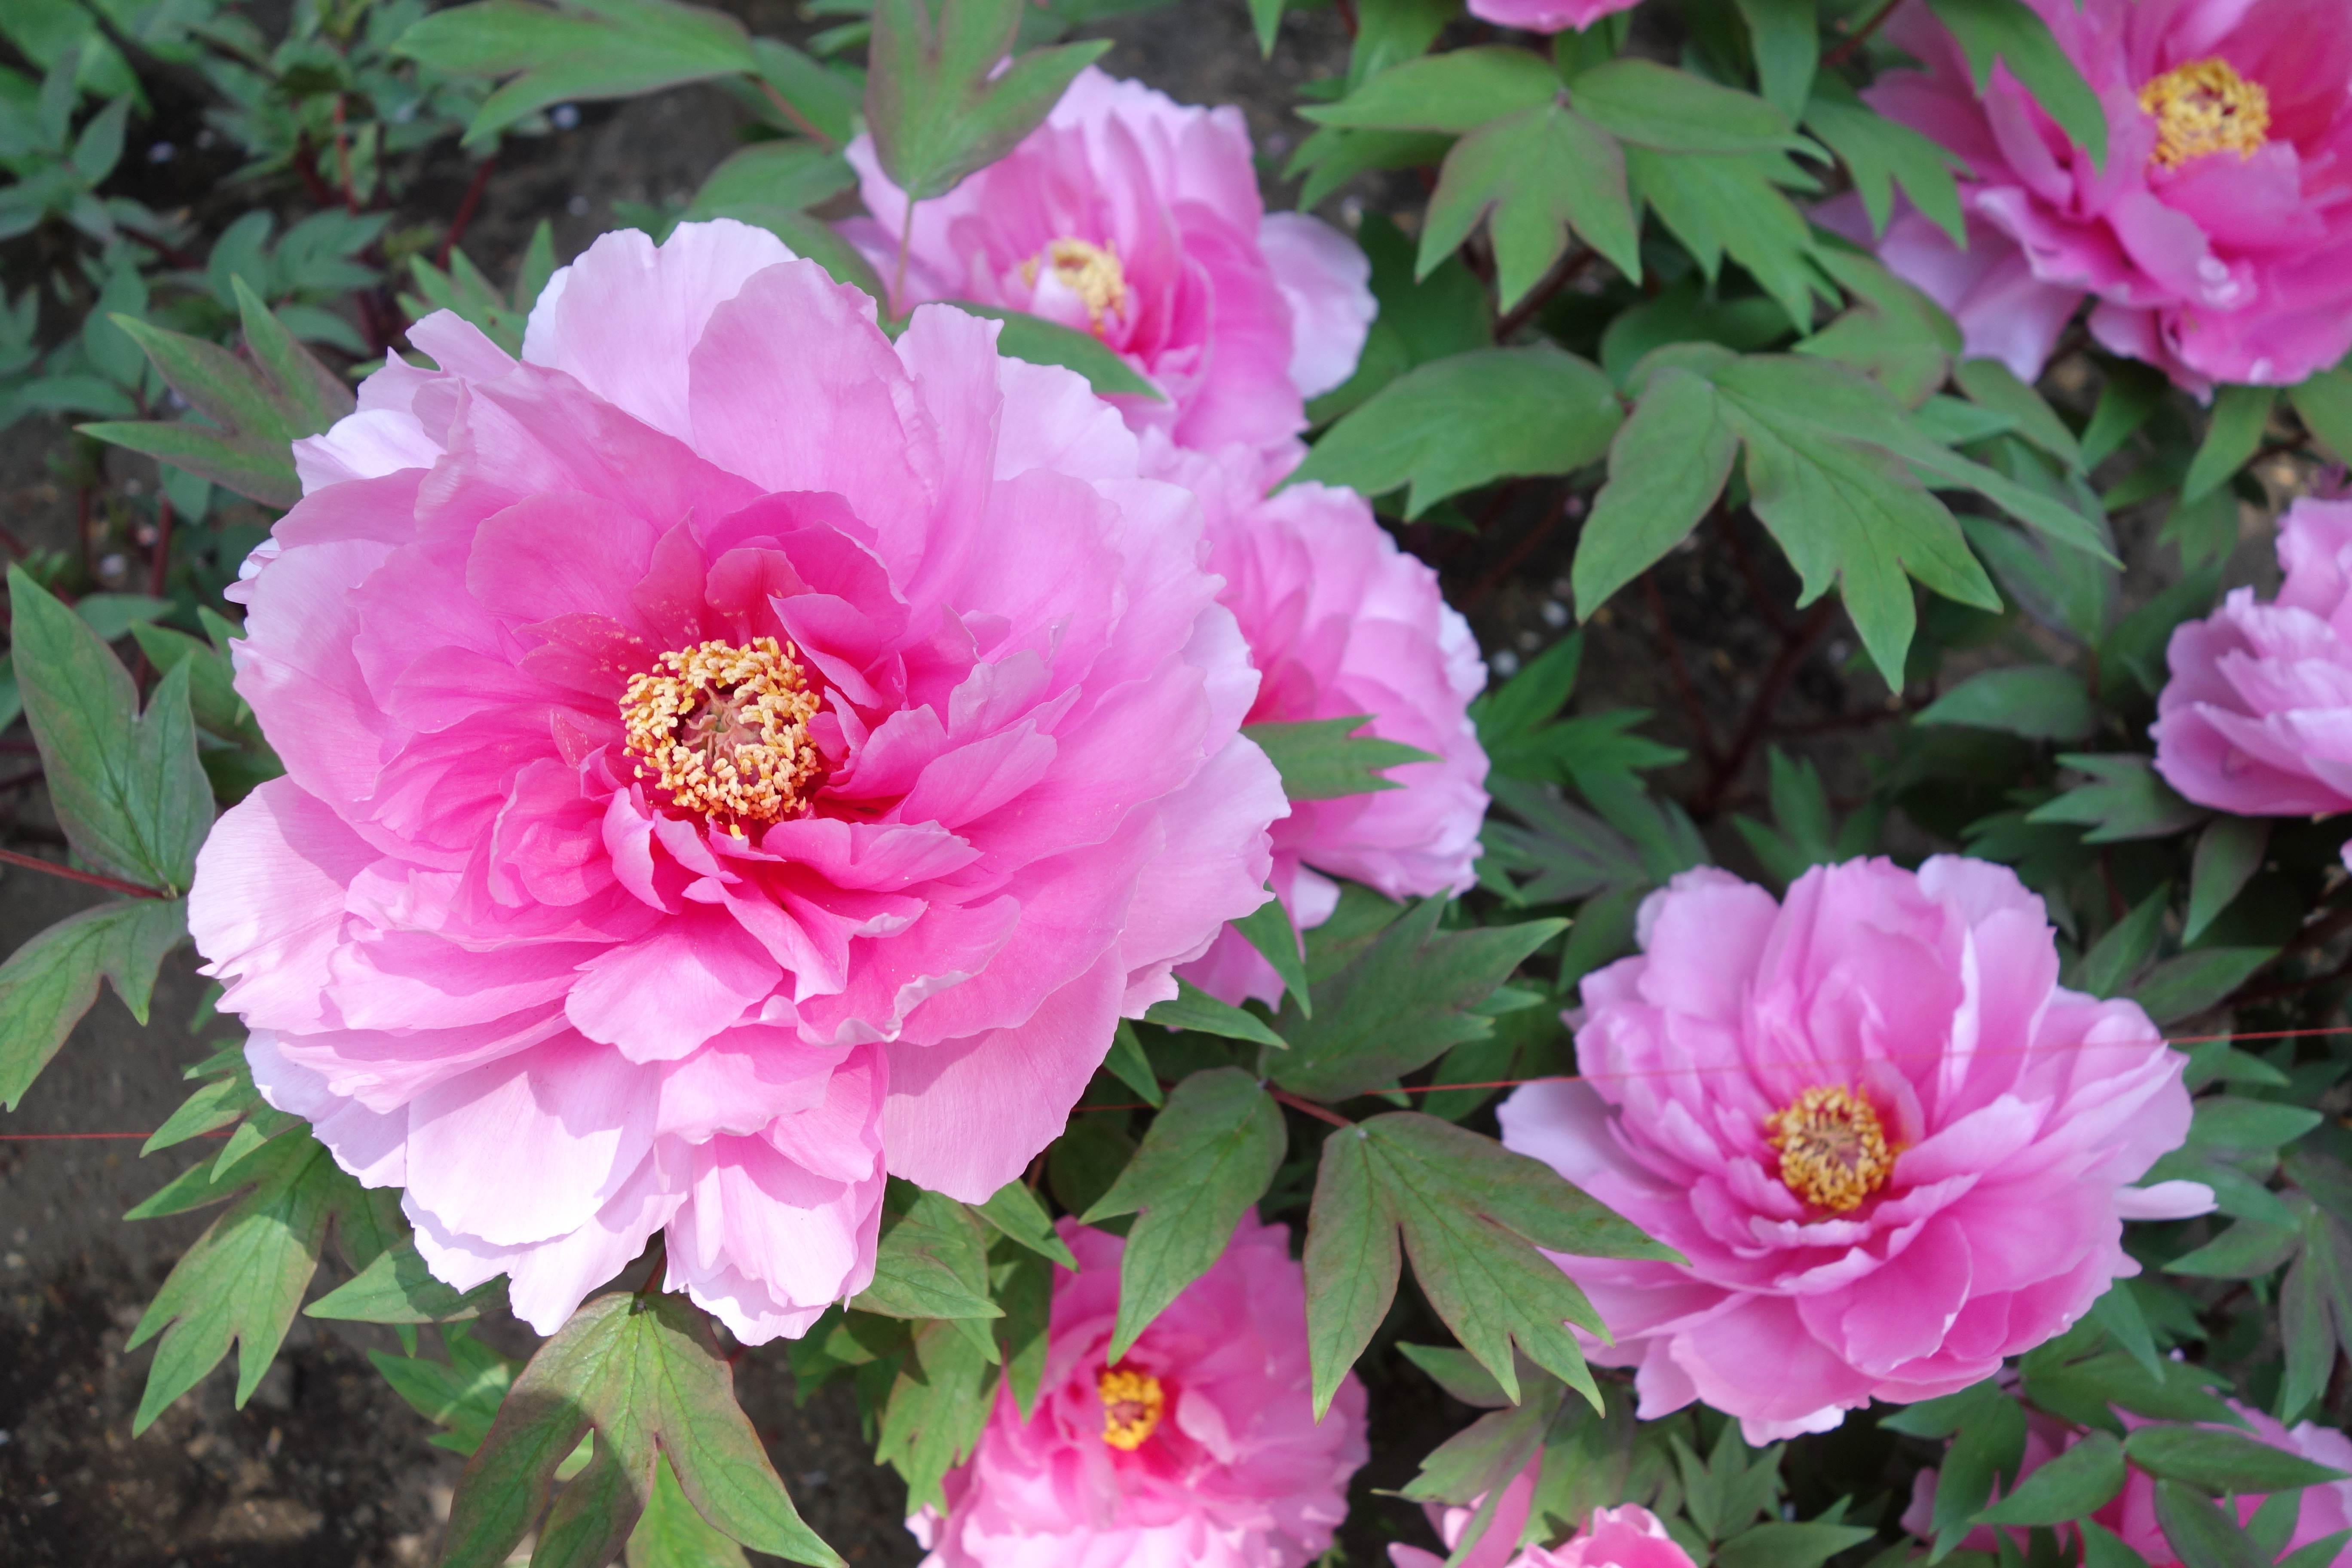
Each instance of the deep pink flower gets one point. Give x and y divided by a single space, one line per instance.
1893 1147
1340 622
2257 718
1626 1536
1137 219
2130 1514
728 756
2217 242
1199 1448
1547 15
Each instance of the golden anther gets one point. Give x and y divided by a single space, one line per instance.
1131 1405
2205 107
1089 270
725 730
1833 1153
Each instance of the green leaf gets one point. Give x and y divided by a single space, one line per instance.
1729 203
670 1534
1193 1009
640 1371
462 1395
1994 386
2132 392
1985 1452
1016 1212
934 1413
2195 980
2306 1330
1265 20
1268 929
241 1280
1455 91
2323 403
51 982
788 174
1210 1153
2039 701
1881 153
1798 1544
2232 1122
2205 1533
126 786
2126 948
397 1287
932 1259
1533 175
2229 852
2075 1483
1458 1372
1457 423
1324 759
2232 437
587 49
1668 110
1129 1064
1400 1002
1352 1258
1041 341
2010 31
937 103
1785 38
827 99
1666 466
2126 800
2249 1249
1023 1284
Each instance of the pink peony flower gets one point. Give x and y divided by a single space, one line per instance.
2130 1514
1339 621
1199 1448
1547 15
2217 242
730 756
2257 718
1893 1147
1137 219
1626 1536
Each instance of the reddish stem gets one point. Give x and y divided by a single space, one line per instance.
112 884
1684 686
473 198
800 121
343 159
1530 542
1811 631
1320 1112
1852 45
155 567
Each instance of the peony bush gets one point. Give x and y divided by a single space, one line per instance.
1571 798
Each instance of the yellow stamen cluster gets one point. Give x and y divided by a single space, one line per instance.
1090 271
725 730
2205 107
1833 1153
1132 1405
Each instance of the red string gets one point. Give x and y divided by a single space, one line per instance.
1554 1078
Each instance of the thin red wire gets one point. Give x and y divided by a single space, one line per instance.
1554 1078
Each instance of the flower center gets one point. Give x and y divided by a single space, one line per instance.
725 730
1089 270
1131 1405
1833 1153
2205 107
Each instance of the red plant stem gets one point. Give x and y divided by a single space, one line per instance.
306 167
1811 631
19 780
1348 17
1766 604
473 198
163 557
1530 542
1543 293
81 527
112 884
1860 36
1320 1112
800 121
1684 686
343 159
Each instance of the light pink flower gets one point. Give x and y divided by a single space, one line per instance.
2130 1514
1547 15
1137 219
1339 621
1956 1134
501 958
2257 718
2220 258
1217 1461
1627 1537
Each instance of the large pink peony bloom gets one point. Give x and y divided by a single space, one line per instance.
1893 1150
730 756
1626 1536
2130 1514
2257 718
1137 219
1547 15
1199 1448
2216 243
1340 622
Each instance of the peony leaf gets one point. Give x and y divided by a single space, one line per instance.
640 1371
2205 1533
2306 1327
1666 466
1785 38
2010 31
2074 1483
790 175
670 1534
2039 701
1484 1457
1352 1262
1985 1454
937 101
2222 1461
1532 176
2229 852
2323 403
1668 110
1127 1063
2232 439
2198 980
1458 91
932 1260
1016 1213
2232 1121
826 98
2132 394
1023 1285
1458 1372
934 1412
1210 1153
1992 384
462 1395
1041 341
2125 800
397 1287
51 982
1523 1194
1467 420
1193 1009
1324 759
1268 929
1789 1544
2249 1249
